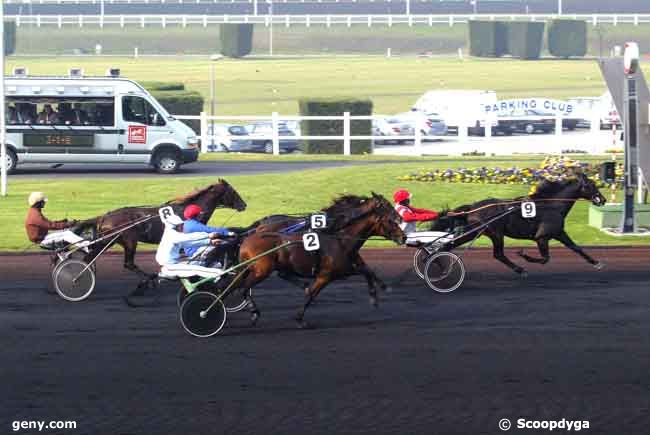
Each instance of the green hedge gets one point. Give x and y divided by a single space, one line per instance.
567 38
182 103
163 86
488 38
10 37
525 39
335 128
236 39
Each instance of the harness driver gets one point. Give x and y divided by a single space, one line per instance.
410 215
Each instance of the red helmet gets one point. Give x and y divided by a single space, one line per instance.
401 195
192 211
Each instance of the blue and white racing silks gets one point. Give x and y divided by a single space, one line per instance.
173 241
193 226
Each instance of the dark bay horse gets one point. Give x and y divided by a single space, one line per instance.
337 257
218 195
553 199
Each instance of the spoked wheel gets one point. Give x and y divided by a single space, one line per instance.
198 319
180 296
237 300
444 272
419 261
73 280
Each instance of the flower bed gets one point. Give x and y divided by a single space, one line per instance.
553 168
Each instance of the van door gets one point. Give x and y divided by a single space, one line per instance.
143 126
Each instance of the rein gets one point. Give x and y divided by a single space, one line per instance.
462 213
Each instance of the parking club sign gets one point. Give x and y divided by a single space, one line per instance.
545 105
137 134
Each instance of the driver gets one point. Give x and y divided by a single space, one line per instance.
37 226
192 225
173 240
410 215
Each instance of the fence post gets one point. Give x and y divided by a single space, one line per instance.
204 132
558 124
276 134
487 127
346 133
417 143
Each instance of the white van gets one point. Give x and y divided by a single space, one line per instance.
458 107
76 119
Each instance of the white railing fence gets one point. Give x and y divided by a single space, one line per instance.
479 137
286 20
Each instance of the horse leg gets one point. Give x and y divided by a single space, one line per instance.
362 268
311 293
257 273
542 245
294 279
359 261
497 251
566 241
130 246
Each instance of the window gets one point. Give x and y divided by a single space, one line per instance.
137 109
68 111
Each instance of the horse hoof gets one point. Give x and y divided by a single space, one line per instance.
374 301
521 253
599 266
254 318
303 325
523 274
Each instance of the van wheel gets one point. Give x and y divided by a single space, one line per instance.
167 162
530 128
11 161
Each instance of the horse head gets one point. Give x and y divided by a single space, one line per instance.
589 190
220 194
387 222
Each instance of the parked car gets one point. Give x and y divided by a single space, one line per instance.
223 133
392 126
534 121
434 125
265 143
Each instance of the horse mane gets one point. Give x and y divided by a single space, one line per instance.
343 203
548 188
193 195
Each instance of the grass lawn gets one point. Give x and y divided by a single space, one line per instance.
261 86
294 192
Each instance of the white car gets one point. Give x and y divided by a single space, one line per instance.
392 126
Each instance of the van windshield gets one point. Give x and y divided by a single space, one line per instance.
70 111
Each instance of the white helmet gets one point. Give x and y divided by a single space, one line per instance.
35 197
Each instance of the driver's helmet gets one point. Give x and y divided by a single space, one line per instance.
401 195
192 211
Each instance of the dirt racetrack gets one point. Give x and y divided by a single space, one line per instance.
568 342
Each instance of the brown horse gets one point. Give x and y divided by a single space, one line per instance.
218 195
337 258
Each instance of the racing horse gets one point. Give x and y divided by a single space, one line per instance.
218 195
336 259
554 200
339 212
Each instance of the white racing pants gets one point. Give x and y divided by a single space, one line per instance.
63 237
425 237
185 270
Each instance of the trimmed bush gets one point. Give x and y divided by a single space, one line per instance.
10 37
488 38
525 39
236 39
335 128
163 86
182 103
567 38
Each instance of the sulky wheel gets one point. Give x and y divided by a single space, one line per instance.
73 280
181 296
444 272
419 261
202 315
